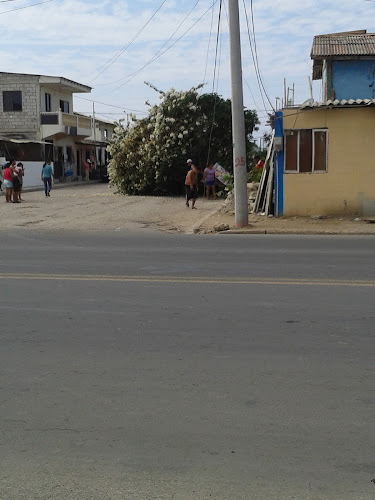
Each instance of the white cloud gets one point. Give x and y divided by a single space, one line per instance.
77 39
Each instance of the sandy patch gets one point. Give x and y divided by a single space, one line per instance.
97 207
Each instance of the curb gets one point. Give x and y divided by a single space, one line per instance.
195 228
301 233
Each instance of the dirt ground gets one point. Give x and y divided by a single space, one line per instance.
96 207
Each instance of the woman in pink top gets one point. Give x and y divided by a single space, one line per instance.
8 184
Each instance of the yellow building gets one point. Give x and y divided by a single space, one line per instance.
329 147
329 159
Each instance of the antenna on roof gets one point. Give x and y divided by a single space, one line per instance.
309 88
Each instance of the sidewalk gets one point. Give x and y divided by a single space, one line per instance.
259 224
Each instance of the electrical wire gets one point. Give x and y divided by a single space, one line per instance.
209 43
217 45
110 105
253 57
213 83
153 59
254 54
125 47
264 111
161 48
26 6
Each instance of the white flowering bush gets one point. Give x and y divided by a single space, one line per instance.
149 155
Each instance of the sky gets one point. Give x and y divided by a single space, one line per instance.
115 46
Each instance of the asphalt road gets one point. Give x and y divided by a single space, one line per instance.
158 366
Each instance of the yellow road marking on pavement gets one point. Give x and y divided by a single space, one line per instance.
187 279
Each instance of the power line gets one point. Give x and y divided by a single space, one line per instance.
155 55
254 54
256 51
246 82
213 83
209 43
217 45
25 6
125 47
153 59
111 105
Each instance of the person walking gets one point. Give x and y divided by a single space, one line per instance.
8 182
191 166
191 187
47 176
209 180
86 166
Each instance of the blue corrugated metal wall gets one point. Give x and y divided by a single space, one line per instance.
353 79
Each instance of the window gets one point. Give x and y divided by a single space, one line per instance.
305 150
47 102
64 106
12 100
320 150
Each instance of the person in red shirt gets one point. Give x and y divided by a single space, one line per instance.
8 174
259 164
86 166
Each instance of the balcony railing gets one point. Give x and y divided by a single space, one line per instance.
64 123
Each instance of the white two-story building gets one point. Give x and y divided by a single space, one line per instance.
37 124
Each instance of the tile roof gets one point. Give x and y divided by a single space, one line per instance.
327 46
338 104
340 45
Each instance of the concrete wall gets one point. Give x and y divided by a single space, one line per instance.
352 79
348 186
56 96
25 123
32 173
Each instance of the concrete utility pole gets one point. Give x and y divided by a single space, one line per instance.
238 118
94 125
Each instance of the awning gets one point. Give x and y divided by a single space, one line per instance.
22 141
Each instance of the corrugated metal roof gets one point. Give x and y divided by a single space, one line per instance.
343 45
337 103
